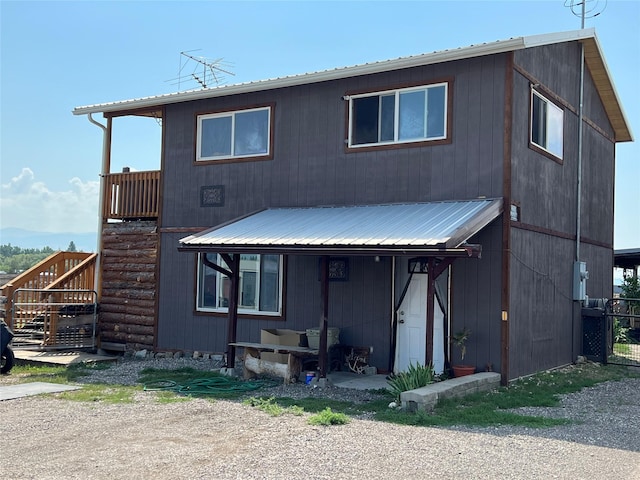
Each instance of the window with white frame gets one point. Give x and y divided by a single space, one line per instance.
260 289
547 125
415 114
242 133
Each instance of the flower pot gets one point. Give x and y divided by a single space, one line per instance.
462 370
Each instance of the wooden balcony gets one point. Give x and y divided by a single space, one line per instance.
132 195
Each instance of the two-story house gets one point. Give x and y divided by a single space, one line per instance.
399 201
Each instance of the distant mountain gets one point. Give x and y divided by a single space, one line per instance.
85 242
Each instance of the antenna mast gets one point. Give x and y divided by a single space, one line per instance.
205 72
583 11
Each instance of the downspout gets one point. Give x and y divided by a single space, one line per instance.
103 171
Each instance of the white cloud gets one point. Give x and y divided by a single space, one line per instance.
30 204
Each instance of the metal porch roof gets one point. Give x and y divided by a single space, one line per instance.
365 229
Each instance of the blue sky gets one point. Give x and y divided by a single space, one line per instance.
59 55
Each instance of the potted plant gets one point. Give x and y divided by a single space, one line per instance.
459 339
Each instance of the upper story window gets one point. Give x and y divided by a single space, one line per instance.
238 134
261 280
547 125
415 114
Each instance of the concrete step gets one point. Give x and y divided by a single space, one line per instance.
426 398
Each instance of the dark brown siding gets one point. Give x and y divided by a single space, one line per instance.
475 295
311 167
545 325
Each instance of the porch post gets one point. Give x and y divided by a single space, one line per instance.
324 300
431 290
232 323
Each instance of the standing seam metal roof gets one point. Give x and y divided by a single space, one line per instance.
433 225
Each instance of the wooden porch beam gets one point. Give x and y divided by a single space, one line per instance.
215 266
433 272
232 323
324 301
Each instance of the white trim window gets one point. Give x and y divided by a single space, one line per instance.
260 285
237 134
547 125
404 115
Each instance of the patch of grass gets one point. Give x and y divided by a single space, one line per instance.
271 407
51 373
328 417
318 404
170 397
622 348
491 409
92 392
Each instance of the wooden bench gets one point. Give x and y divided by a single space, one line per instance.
290 371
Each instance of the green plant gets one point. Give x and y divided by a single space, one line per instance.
620 333
328 417
271 407
459 339
267 405
415 377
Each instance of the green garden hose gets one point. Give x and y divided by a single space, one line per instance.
208 386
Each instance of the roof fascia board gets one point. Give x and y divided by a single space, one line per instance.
465 251
596 42
467 230
558 37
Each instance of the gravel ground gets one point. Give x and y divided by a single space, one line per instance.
46 438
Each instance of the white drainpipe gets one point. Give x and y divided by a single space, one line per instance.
104 171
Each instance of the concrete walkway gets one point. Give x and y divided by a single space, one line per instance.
357 382
34 388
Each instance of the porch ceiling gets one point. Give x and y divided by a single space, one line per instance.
439 228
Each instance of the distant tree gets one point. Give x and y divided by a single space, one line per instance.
71 247
631 289
16 259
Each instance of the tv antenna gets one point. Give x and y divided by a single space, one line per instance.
205 72
584 9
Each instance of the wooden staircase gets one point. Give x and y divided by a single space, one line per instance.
53 304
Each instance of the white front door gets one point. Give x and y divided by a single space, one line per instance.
412 325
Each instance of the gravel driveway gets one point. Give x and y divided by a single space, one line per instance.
48 438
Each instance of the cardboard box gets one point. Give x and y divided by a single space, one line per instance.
283 336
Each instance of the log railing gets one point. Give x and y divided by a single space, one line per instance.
60 270
131 195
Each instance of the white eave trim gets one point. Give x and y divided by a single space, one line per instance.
303 79
442 56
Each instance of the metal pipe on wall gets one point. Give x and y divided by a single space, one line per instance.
104 170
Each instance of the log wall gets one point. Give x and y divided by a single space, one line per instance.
129 284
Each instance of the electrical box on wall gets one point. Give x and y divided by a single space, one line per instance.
580 276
